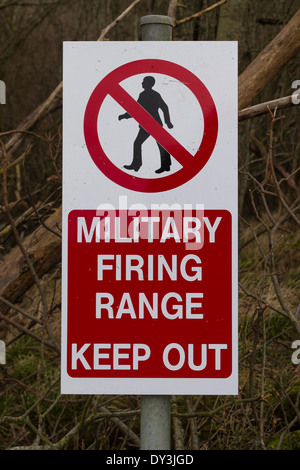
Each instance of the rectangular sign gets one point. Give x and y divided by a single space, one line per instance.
150 218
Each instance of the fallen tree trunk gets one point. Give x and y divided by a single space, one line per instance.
270 61
44 250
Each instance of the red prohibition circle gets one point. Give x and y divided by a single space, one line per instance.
110 83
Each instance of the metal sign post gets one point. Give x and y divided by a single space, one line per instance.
156 409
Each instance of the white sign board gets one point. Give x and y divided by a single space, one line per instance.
149 218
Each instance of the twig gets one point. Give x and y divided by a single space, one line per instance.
172 9
263 152
108 28
39 434
177 428
263 369
22 418
200 13
29 333
277 185
193 426
32 119
262 301
210 413
21 219
124 428
90 419
288 428
34 207
19 310
263 108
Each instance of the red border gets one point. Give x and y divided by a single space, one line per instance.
105 87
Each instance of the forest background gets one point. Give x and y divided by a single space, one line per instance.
265 414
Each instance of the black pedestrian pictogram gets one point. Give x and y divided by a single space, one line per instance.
151 101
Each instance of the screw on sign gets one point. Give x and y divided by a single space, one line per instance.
150 125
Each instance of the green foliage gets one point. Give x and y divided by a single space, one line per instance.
290 441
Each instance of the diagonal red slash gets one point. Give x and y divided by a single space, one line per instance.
165 139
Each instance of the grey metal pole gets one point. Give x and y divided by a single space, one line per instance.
156 28
155 422
156 409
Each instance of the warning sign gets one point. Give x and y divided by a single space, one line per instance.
145 112
149 302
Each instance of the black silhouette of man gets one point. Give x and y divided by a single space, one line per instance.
151 101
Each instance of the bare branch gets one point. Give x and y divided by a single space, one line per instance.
29 333
108 28
195 16
263 108
172 9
